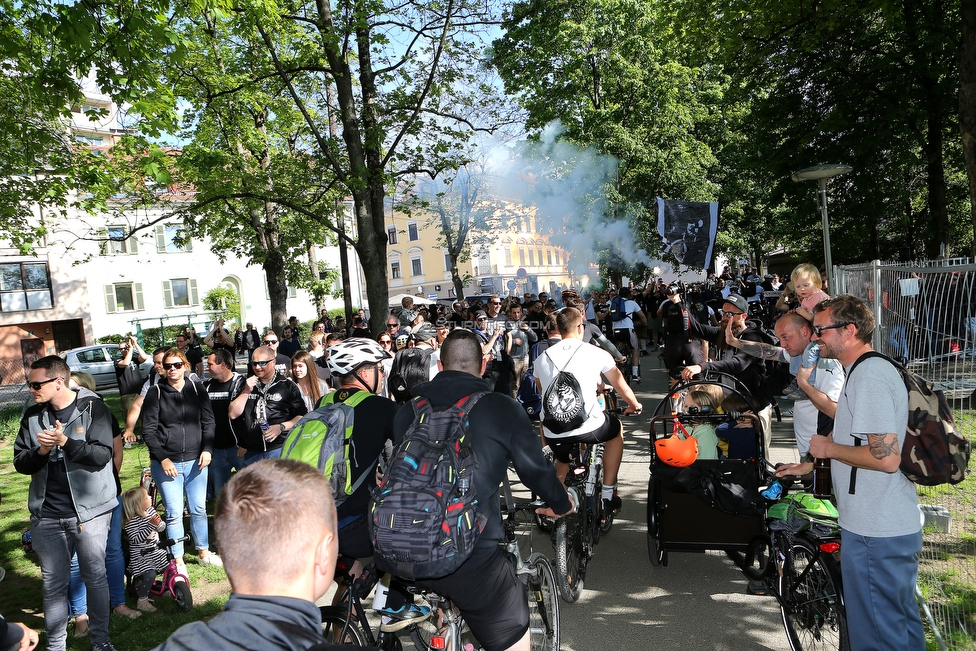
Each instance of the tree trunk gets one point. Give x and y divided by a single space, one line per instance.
967 104
935 172
274 271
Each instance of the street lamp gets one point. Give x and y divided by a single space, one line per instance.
820 174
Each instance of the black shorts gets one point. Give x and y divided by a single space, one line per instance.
562 448
354 540
491 598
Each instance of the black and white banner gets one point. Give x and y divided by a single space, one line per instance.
688 229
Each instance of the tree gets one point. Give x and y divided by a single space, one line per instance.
227 301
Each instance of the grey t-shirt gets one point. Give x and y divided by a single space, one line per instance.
874 401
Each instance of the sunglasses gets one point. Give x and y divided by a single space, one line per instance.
820 329
261 364
733 313
270 341
36 386
494 302
392 325
169 365
385 341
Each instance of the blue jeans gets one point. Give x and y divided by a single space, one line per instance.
114 569
192 481
224 460
879 592
254 457
55 542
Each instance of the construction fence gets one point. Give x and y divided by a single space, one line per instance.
926 316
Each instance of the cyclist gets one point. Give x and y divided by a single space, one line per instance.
485 587
592 334
682 347
624 328
586 363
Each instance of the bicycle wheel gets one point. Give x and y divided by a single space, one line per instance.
182 595
654 552
543 605
570 557
813 615
334 627
755 562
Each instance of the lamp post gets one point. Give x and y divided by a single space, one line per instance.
820 174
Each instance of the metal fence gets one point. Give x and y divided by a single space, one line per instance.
926 313
13 381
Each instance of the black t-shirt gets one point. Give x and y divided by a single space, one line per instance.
283 401
130 381
57 493
194 355
372 428
221 395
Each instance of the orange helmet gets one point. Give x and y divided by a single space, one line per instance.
677 452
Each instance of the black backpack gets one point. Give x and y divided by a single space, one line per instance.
563 406
424 519
411 366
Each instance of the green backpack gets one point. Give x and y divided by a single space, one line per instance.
323 437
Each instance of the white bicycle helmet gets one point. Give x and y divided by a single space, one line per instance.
349 354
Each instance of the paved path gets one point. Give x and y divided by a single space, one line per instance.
697 602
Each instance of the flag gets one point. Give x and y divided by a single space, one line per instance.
688 229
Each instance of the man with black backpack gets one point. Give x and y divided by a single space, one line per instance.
412 366
568 375
881 534
622 314
490 430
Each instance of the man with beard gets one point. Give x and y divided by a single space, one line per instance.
880 529
749 370
682 346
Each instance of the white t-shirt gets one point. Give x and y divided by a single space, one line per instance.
828 379
630 308
586 363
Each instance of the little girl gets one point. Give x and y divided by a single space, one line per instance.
142 526
808 286
704 431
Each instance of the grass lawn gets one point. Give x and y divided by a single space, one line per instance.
20 592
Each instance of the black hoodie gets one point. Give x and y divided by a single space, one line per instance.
177 425
500 431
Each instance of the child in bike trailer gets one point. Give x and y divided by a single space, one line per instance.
142 526
702 402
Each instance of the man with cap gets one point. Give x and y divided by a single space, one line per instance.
749 370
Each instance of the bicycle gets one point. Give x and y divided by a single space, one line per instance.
576 534
349 623
173 580
799 563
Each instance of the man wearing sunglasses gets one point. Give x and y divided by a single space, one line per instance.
65 445
881 534
269 405
751 371
282 363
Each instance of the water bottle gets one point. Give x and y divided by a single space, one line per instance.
382 590
823 487
463 485
264 429
774 492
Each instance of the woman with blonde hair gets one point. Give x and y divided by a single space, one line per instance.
178 428
303 374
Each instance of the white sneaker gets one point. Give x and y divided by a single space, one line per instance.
212 559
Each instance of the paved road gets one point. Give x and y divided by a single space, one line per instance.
697 602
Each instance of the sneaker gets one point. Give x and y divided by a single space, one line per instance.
124 611
403 617
104 646
635 379
145 605
613 504
212 559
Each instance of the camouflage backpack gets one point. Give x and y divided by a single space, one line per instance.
934 452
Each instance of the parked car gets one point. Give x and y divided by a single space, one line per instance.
99 361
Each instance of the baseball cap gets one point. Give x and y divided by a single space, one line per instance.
480 313
739 302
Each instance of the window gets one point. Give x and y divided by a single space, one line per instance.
25 286
521 257
531 257
166 236
416 268
88 139
395 269
508 257
180 292
391 235
549 257
115 241
412 232
447 261
123 297
91 356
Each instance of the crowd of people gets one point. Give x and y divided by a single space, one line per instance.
222 438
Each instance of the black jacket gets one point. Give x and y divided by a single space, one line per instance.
177 425
751 371
500 431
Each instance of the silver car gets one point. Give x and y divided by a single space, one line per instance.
99 361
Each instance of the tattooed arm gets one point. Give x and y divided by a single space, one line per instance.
881 453
755 348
